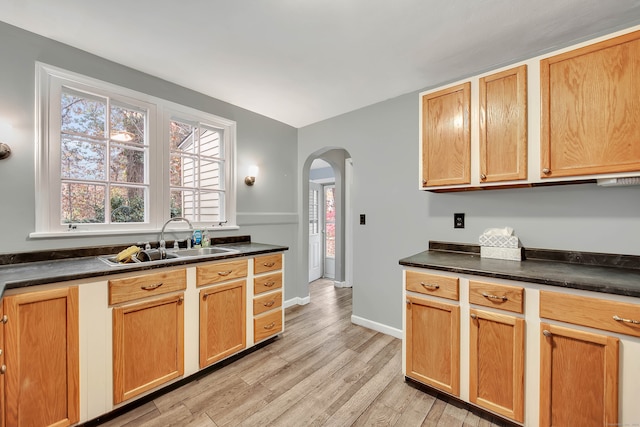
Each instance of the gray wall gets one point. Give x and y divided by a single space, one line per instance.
266 211
383 142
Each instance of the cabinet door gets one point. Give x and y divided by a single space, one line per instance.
148 345
578 378
446 136
42 358
433 343
223 321
503 126
591 109
496 365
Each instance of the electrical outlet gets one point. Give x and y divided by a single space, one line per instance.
363 219
458 220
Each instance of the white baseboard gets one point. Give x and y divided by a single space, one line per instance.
341 284
297 301
379 327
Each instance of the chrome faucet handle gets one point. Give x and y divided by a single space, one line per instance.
162 245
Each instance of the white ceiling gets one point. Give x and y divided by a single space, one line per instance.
302 61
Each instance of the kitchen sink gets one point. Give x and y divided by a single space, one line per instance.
202 251
180 253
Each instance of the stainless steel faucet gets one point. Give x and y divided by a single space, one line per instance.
177 218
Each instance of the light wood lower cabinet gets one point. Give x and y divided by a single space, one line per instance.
433 343
148 345
496 363
222 321
578 378
42 358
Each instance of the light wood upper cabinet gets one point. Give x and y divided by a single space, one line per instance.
590 112
222 321
433 343
42 358
496 363
148 345
446 136
503 126
578 378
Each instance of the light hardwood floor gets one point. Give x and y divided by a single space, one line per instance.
322 371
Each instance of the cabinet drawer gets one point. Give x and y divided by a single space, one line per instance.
266 325
214 273
596 313
432 284
262 264
267 283
267 302
504 297
136 287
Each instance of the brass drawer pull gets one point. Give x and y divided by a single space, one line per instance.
502 298
409 302
180 300
4 319
151 287
225 273
547 333
3 369
269 264
270 325
430 285
269 284
474 316
269 304
620 319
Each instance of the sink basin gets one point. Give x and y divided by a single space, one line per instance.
111 259
202 251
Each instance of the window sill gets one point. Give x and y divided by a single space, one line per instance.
96 233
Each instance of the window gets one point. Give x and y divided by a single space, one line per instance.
103 160
196 167
114 160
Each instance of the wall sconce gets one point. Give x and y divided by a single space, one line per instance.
251 178
5 132
5 151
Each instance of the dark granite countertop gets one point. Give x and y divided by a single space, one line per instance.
59 270
586 271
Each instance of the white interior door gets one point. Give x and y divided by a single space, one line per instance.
315 231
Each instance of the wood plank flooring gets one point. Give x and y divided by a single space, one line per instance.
322 371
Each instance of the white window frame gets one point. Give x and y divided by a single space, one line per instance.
49 83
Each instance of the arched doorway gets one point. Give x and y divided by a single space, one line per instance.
341 165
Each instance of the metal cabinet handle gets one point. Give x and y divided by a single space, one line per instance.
180 300
269 304
620 319
547 333
4 319
424 182
3 369
483 177
270 325
151 287
430 285
408 301
269 284
224 273
474 316
546 171
269 264
502 298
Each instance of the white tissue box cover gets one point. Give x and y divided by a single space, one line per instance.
499 241
510 254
